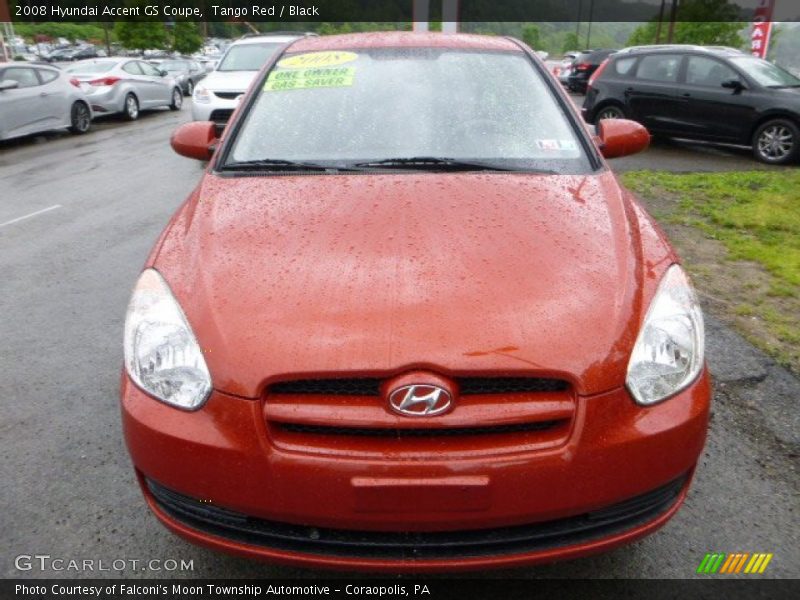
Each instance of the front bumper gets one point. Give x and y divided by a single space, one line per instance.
616 455
217 109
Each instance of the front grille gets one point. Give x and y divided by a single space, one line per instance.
542 536
220 116
422 432
329 387
228 95
371 386
351 416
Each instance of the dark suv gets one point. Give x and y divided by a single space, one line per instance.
712 94
582 68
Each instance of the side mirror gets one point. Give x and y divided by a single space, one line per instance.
195 140
621 137
9 84
162 72
733 84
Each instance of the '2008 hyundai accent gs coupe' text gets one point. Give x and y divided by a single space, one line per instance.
410 320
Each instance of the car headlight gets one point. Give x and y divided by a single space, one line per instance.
201 95
668 354
162 355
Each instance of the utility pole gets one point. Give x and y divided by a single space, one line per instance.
449 16
672 14
108 38
420 13
578 24
660 21
589 32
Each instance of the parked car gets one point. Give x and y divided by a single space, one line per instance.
185 71
60 54
679 47
83 53
565 67
716 95
398 326
584 65
217 96
40 98
125 85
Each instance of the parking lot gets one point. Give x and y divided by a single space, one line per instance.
78 216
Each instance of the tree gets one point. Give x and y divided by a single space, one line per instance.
530 35
696 22
141 35
570 42
186 38
690 32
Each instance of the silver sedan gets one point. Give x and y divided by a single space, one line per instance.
125 85
37 98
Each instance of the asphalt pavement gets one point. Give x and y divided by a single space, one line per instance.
78 216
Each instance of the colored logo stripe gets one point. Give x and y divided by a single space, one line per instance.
719 562
711 562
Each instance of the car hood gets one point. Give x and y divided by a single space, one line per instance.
370 275
229 81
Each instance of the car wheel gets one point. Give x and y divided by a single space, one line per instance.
131 107
609 112
777 142
189 88
177 99
80 118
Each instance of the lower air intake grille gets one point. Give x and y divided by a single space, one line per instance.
577 529
422 432
221 115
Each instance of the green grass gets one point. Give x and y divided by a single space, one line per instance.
756 214
756 217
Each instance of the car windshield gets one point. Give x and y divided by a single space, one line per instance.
91 67
173 65
248 57
765 73
382 104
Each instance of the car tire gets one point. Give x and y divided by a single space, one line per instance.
777 142
131 110
609 111
80 118
189 87
177 99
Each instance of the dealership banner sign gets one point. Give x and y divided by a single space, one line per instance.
449 12
363 588
762 28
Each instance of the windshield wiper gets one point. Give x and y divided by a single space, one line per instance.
278 164
436 163
778 87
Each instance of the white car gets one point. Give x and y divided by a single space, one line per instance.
36 98
125 85
216 97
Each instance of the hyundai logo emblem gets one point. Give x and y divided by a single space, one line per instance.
420 400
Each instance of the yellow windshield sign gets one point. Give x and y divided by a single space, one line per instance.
303 79
317 59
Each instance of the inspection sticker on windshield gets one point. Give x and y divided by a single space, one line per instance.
317 59
547 144
303 79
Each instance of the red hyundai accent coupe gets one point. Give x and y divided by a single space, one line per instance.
409 320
